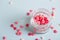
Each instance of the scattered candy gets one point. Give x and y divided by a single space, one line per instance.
30 34
55 31
28 13
52 13
27 25
36 39
51 27
34 30
4 38
16 22
21 26
42 20
12 25
18 33
30 10
18 30
14 28
53 8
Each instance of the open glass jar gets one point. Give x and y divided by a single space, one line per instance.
41 20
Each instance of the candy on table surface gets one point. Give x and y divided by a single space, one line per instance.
30 34
4 38
27 25
16 22
18 33
28 13
21 26
36 39
54 31
53 8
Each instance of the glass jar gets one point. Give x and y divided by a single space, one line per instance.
41 20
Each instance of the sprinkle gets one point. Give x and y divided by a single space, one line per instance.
51 27
12 25
30 10
34 30
55 31
52 14
14 28
21 26
4 38
18 30
36 39
16 22
28 13
18 33
53 8
30 34
27 25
